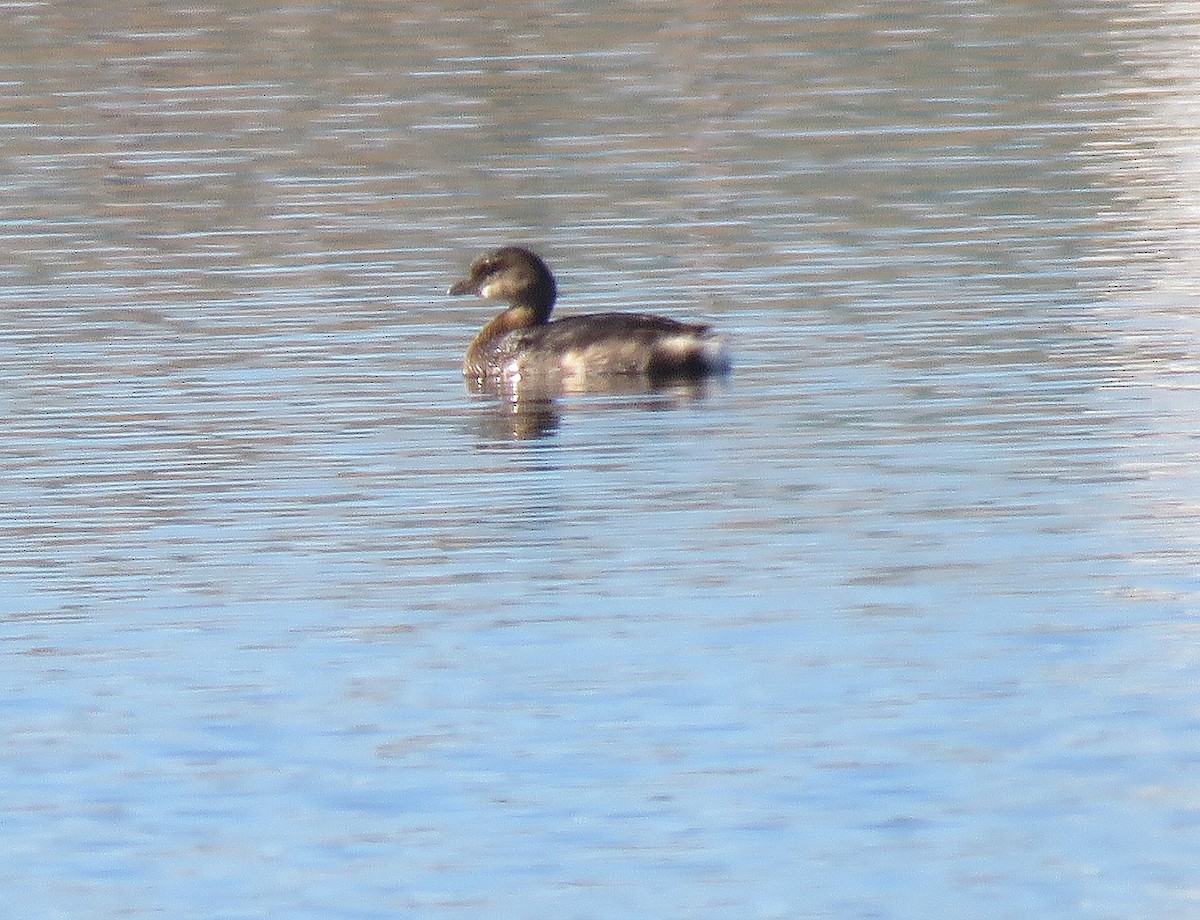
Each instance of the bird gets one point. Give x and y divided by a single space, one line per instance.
522 343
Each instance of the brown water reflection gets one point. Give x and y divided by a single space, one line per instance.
205 145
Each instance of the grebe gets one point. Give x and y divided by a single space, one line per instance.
523 344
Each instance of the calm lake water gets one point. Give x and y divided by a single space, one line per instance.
898 622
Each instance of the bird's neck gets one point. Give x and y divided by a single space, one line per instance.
514 318
518 316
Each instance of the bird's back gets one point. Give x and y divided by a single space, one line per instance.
608 344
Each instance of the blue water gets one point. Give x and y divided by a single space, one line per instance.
896 622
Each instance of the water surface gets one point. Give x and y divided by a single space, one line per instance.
898 622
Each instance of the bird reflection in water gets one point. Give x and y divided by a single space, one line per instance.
517 412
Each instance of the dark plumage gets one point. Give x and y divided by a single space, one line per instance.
522 342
